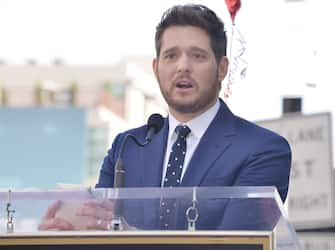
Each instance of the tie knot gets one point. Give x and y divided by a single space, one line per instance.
182 131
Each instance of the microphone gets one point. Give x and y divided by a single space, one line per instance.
155 124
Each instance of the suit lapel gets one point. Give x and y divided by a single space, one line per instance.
154 154
213 144
152 173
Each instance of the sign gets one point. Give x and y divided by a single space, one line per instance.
317 240
311 199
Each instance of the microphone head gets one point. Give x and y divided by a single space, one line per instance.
155 121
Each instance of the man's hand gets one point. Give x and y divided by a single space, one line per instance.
50 222
78 215
98 214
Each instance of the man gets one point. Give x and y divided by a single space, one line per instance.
220 148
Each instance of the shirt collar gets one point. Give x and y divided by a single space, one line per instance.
198 125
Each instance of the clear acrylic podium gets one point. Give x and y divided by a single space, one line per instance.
201 218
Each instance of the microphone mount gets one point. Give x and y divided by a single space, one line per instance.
155 124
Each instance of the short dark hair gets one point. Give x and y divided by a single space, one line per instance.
194 15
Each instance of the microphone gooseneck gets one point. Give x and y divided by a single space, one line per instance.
155 124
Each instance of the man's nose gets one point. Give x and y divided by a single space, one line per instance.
184 64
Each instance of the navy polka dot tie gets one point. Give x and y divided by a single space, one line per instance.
173 176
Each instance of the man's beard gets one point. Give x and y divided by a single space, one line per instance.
196 105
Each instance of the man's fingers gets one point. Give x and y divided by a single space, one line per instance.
107 204
98 224
96 212
56 224
51 212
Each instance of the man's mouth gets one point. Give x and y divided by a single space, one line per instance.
184 85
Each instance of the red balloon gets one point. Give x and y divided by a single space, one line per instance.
233 7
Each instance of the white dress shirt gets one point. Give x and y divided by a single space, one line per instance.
198 127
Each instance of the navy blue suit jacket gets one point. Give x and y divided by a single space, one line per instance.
232 152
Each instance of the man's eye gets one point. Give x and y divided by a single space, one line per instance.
170 56
198 55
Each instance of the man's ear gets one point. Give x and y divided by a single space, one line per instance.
223 68
155 67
